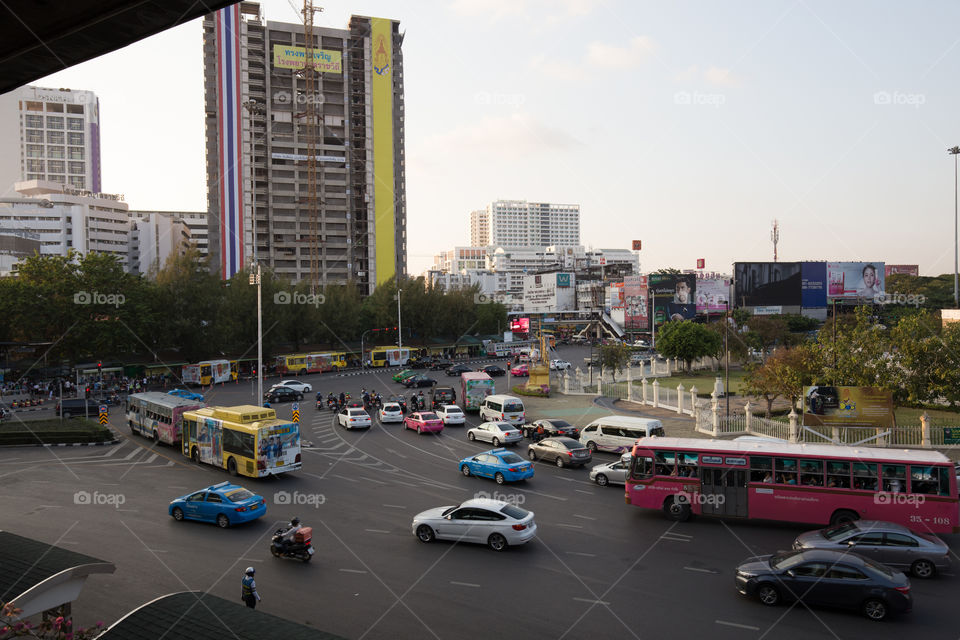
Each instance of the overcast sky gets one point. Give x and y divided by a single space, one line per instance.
687 125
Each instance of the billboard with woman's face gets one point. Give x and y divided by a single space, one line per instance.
855 280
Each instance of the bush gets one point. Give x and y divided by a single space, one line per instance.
54 431
542 392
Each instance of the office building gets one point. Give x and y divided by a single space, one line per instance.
518 223
15 246
197 223
341 217
154 237
51 135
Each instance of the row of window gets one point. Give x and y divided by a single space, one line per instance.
53 122
75 181
54 166
55 137
55 107
56 152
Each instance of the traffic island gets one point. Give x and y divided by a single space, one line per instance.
55 432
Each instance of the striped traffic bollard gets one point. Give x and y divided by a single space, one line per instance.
296 412
103 414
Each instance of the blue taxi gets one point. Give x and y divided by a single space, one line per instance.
183 393
499 464
223 503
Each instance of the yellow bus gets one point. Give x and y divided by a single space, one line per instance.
389 356
245 440
207 372
292 364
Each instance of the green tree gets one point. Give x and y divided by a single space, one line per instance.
784 374
191 297
615 357
765 332
688 341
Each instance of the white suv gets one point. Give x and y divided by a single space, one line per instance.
451 414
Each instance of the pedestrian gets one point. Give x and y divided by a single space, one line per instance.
248 589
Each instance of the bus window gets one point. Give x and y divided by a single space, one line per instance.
838 474
786 471
642 467
894 477
811 473
931 481
238 443
666 464
865 476
688 465
761 469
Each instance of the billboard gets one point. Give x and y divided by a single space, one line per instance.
520 325
637 244
813 284
672 296
767 284
847 407
904 269
635 303
288 57
854 280
384 198
614 295
542 295
713 294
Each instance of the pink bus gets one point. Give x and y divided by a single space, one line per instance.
158 415
809 483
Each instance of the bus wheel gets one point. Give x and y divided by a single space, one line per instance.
132 430
843 516
232 466
675 510
195 455
156 438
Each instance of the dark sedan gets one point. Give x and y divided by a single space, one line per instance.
829 578
493 370
440 365
563 452
282 394
457 369
551 428
419 381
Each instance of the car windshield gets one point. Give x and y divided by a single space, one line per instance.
239 495
429 416
454 410
511 458
834 533
786 560
449 510
358 412
512 406
514 512
560 424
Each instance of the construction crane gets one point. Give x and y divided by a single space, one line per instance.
310 131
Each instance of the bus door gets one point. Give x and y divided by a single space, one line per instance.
723 492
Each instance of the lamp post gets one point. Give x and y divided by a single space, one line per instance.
255 278
955 151
362 336
399 324
726 358
254 108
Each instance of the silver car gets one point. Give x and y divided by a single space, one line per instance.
894 545
496 433
612 472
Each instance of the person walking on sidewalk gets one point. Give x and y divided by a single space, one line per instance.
248 588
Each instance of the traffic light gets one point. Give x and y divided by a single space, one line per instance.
99 366
88 392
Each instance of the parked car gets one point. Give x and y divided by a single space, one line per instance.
499 464
457 369
520 370
451 414
79 407
423 421
496 433
282 394
559 365
440 365
403 373
894 545
563 452
418 363
821 577
495 523
493 370
223 503
551 428
390 412
400 400
354 418
419 380
611 472
440 396
183 393
296 385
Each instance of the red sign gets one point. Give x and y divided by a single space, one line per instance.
520 325
636 245
701 263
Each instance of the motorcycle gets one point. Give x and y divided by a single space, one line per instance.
333 404
300 549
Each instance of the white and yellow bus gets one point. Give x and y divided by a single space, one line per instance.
158 415
389 356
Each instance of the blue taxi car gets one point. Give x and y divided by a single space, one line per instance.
499 464
183 393
223 503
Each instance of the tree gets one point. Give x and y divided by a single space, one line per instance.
784 374
765 332
59 628
615 357
688 341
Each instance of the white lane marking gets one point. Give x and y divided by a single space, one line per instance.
672 539
150 459
345 478
129 510
570 526
49 506
737 625
678 535
68 542
395 506
157 550
699 570
580 553
577 515
406 484
465 584
591 601
589 493
252 559
352 571
567 479
371 480
133 453
376 531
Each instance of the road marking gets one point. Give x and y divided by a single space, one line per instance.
737 625
129 510
49 506
376 531
591 601
352 571
570 526
589 493
677 534
157 550
371 480
672 539
406 484
395 506
567 479
253 559
699 570
577 515
345 478
67 542
465 584
580 553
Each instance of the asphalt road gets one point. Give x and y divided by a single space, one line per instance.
597 569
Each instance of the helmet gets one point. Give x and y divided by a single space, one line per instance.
250 571
295 521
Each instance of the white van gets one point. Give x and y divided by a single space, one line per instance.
618 433
501 408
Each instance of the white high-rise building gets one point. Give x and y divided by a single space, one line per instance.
154 237
197 224
51 135
518 223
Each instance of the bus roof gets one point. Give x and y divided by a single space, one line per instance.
630 421
246 414
786 448
475 375
166 400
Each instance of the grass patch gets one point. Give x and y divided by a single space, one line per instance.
702 381
521 390
907 416
53 431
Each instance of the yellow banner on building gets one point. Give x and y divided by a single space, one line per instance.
383 193
289 57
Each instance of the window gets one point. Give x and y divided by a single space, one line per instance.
34 150
899 540
34 136
76 167
811 473
786 471
35 165
54 137
75 139
761 469
666 463
74 124
54 122
75 153
33 121
841 572
213 497
55 152
55 107
931 481
78 181
865 476
894 477
811 570
643 467
688 465
238 443
197 497
56 166
867 539
838 474
75 108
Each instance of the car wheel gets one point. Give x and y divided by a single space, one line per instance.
532 454
465 470
499 478
843 516
923 569
232 466
418 430
676 510
223 521
470 436
559 462
592 446
178 514
66 414
497 542
425 534
875 609
602 480
768 595
496 442
299 396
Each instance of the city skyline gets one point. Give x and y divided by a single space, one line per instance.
688 128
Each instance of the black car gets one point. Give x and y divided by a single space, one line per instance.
441 396
400 400
457 369
551 429
822 577
418 363
563 452
282 394
79 407
440 365
419 380
493 370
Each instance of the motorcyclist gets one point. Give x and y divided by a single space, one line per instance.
286 535
421 401
331 399
343 399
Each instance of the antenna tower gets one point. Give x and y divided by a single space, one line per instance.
775 238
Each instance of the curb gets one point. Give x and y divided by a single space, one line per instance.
61 444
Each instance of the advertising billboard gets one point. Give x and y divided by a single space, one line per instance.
289 57
635 303
847 407
542 295
712 294
672 296
520 325
902 269
767 284
813 284
615 295
854 280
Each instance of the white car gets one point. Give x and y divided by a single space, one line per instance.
496 433
612 472
451 414
353 418
390 412
559 365
495 523
296 385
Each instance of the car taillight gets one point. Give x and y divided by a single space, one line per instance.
240 509
570 453
904 590
513 469
519 527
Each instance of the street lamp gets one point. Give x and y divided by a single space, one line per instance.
955 151
255 274
399 325
254 108
362 336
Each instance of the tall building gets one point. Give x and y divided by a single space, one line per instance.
197 223
518 223
51 135
154 237
260 138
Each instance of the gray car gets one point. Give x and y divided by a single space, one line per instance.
611 472
894 545
564 452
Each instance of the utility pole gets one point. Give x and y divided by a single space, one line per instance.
775 237
955 151
254 109
726 358
311 133
399 322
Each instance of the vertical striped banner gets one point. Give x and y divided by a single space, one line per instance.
384 205
229 140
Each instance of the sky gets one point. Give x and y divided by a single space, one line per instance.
690 126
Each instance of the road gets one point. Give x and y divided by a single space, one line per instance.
597 568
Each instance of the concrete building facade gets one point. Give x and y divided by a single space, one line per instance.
518 223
